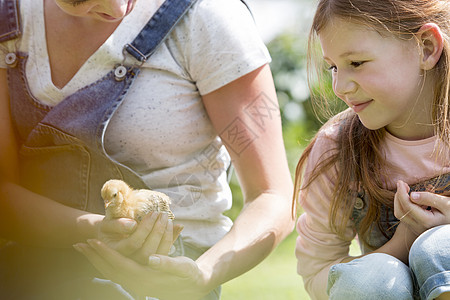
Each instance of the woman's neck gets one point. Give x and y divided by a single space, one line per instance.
71 41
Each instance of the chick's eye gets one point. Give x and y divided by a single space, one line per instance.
114 195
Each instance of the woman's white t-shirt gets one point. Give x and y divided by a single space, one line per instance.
162 130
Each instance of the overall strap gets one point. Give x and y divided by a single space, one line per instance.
10 22
158 28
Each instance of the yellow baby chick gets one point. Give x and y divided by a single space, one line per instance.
122 201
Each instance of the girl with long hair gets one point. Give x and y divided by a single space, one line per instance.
380 169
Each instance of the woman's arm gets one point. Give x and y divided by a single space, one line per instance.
25 216
246 115
32 219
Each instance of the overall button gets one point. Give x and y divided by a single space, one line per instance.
359 203
120 72
11 59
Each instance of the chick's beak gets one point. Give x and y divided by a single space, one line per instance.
107 203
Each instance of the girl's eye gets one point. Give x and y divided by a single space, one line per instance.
356 63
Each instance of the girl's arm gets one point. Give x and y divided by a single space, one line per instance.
318 247
398 246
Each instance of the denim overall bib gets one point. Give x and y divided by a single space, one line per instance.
377 236
383 232
62 157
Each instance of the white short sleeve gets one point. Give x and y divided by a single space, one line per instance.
223 44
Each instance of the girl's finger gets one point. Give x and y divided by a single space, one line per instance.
402 205
439 202
402 186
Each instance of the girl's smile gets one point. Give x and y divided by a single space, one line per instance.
359 106
379 76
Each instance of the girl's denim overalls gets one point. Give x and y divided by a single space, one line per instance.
383 232
62 157
384 277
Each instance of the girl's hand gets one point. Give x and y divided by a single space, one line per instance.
420 210
155 234
162 277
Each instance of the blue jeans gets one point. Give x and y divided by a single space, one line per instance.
381 276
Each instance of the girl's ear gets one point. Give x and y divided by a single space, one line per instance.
431 44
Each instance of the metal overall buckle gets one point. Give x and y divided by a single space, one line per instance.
120 70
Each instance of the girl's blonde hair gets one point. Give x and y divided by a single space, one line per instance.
357 154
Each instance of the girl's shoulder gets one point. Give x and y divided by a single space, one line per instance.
326 142
329 133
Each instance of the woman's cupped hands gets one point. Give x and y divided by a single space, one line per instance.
135 255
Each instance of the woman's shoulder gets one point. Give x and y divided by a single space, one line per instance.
209 19
217 42
220 7
224 17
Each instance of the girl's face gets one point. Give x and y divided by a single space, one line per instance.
379 77
102 10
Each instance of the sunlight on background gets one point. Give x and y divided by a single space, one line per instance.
272 17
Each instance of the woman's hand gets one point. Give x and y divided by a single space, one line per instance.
162 276
155 234
420 210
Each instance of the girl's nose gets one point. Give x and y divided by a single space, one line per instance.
343 84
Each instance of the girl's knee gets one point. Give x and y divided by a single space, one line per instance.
428 248
374 276
428 259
